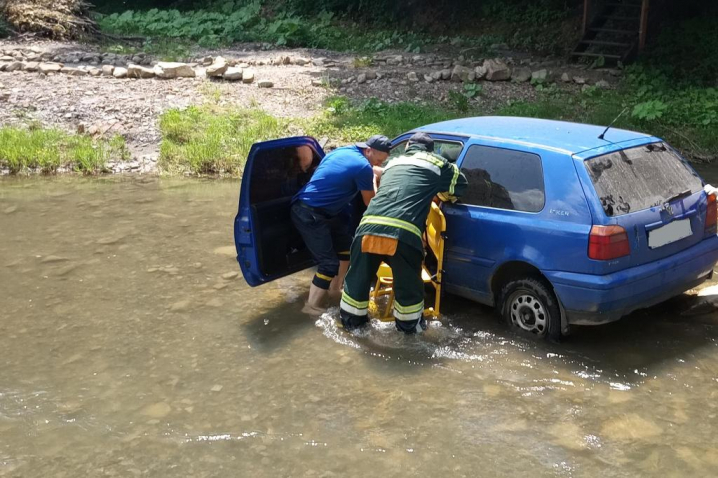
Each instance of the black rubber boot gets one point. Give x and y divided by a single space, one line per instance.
351 321
410 327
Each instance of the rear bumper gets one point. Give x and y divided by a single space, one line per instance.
593 300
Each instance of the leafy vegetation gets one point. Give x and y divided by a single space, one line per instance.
687 116
333 24
4 28
47 150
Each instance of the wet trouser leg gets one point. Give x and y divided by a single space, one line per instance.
360 277
316 231
408 288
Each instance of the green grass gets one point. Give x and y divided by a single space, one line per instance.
214 140
47 150
209 140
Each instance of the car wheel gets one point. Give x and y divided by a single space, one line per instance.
531 306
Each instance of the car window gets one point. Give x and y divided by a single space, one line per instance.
503 178
447 149
638 178
277 173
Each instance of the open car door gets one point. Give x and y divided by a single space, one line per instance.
268 245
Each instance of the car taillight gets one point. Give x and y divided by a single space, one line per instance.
711 214
608 242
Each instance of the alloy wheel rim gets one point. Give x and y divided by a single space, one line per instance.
529 314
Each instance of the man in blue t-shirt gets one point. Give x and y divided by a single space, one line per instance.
318 212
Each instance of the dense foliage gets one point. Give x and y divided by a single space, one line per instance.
328 25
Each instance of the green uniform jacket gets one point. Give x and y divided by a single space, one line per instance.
408 185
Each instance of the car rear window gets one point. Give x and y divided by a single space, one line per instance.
639 178
504 179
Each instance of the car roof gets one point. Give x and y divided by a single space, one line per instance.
557 136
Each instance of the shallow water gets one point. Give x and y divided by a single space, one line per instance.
127 348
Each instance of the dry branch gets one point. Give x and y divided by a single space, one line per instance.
58 19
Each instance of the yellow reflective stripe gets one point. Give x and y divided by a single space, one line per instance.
344 252
354 303
409 309
392 222
353 310
429 158
418 162
454 179
322 276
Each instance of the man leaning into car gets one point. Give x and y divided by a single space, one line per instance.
392 230
319 212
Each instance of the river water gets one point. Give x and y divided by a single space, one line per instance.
128 348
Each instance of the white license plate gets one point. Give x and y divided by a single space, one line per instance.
669 233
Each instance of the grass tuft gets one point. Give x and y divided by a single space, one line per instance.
47 150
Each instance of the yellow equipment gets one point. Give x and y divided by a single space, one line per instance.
434 238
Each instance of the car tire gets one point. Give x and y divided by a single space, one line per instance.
530 306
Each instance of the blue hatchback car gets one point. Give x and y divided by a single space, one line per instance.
562 223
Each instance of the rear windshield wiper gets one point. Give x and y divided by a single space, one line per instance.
681 195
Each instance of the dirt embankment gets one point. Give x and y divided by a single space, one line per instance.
79 88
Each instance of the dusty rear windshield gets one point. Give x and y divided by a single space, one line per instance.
638 178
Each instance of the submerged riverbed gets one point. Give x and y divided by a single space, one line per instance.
130 347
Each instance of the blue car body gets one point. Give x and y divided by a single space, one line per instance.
488 245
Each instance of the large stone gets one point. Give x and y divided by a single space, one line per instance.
265 84
49 67
370 75
460 74
218 67
137 71
521 75
170 70
539 76
412 76
232 74
107 70
361 78
15 65
445 74
31 66
565 78
480 72
73 71
301 61
120 72
497 70
603 84
436 75
94 72
247 76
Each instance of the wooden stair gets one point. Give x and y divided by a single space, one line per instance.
613 33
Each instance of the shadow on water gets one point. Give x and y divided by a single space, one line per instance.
276 327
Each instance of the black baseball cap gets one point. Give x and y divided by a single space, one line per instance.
422 138
378 142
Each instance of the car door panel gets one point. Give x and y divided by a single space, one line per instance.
268 246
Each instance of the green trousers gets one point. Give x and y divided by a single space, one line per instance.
408 286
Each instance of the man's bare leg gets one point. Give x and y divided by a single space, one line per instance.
314 305
337 285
